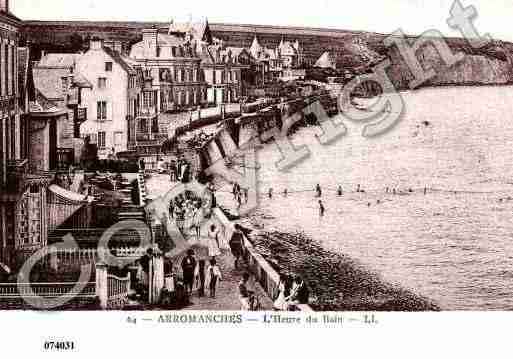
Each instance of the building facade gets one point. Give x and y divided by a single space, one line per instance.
23 214
113 100
58 85
171 60
224 70
273 62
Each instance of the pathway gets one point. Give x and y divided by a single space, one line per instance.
227 290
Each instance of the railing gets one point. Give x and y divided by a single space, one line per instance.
47 290
16 174
146 136
148 111
261 269
90 255
117 290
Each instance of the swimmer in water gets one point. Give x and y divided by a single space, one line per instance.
321 209
318 190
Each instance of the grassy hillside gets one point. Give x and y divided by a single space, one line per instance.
355 51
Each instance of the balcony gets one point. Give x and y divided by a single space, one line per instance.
148 112
17 171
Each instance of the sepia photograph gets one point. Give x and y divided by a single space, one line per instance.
288 158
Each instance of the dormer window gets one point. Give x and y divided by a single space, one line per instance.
108 66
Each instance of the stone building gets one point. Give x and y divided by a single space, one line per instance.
23 214
59 86
113 100
225 72
273 62
170 58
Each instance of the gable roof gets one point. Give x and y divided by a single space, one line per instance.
199 30
80 81
326 61
42 105
116 56
49 81
59 60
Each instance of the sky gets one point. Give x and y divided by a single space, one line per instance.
384 16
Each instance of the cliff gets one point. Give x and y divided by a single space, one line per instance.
354 51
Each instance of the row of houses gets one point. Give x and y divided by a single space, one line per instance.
120 95
49 106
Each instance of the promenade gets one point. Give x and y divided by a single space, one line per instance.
227 289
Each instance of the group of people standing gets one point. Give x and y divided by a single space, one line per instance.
197 274
180 171
189 212
290 292
205 273
239 194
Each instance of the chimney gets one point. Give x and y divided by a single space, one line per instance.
4 5
96 43
118 46
114 45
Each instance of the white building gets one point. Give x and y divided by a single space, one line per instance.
113 100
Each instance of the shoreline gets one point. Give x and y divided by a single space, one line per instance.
336 282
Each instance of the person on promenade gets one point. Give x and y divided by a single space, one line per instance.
270 193
285 192
169 278
188 269
236 244
238 199
198 219
300 293
214 275
200 277
246 195
339 191
358 188
280 302
244 292
318 190
213 242
321 209
235 190
213 200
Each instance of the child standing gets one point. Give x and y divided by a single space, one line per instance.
214 274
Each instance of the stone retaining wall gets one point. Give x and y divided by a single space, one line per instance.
260 268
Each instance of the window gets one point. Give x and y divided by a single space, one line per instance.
6 69
101 139
118 139
108 66
148 99
64 85
101 110
158 51
102 82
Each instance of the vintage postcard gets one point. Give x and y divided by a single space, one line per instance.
288 164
